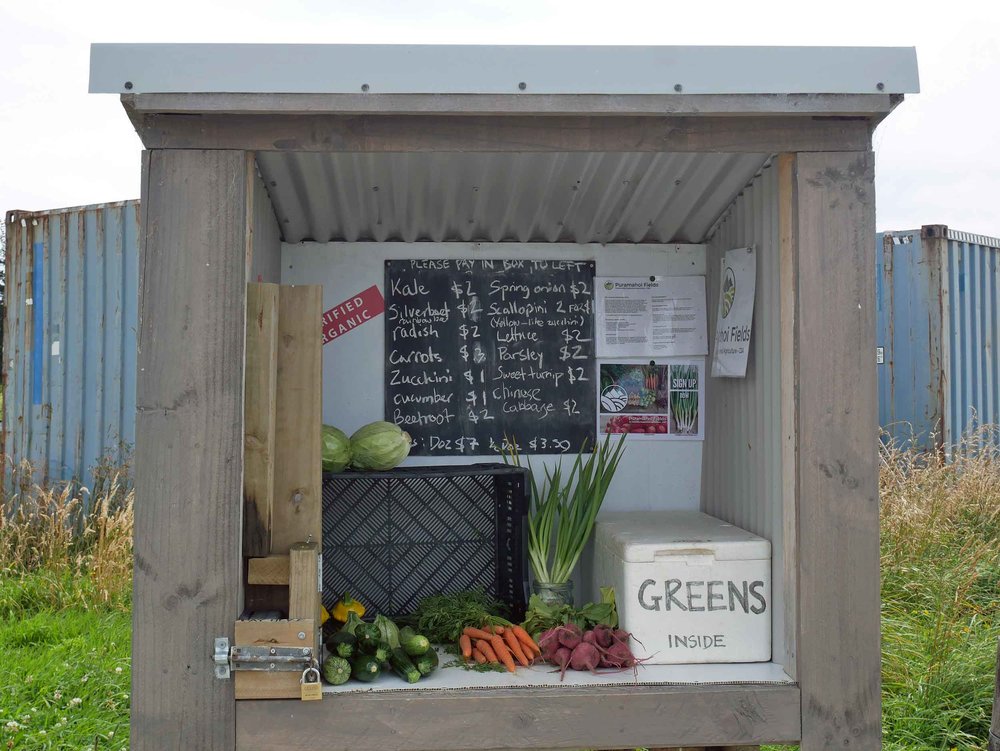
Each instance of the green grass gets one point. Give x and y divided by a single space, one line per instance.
65 677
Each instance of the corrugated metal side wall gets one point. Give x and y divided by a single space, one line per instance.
741 470
70 339
970 284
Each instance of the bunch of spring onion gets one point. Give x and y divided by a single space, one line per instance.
563 509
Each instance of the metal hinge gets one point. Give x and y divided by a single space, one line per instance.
259 658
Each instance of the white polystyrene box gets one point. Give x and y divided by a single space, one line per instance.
691 588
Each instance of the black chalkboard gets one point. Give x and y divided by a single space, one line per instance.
479 350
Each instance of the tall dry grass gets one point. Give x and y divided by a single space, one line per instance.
68 546
940 548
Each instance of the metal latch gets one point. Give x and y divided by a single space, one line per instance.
260 658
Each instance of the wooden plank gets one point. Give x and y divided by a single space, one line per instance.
271 570
702 105
261 685
472 133
189 447
627 717
304 583
261 377
838 532
787 281
303 580
298 464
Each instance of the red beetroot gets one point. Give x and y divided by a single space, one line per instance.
589 637
604 636
618 655
548 642
585 657
561 659
570 635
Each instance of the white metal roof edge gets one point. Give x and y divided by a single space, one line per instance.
470 69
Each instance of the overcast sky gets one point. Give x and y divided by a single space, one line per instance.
938 154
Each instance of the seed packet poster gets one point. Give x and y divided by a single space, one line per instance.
662 400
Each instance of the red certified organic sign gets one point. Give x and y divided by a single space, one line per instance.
351 313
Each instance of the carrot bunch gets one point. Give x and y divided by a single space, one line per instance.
506 645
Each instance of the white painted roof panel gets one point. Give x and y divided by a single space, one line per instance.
472 69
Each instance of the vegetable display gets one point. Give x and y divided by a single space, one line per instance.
509 646
412 643
342 644
335 450
542 616
441 618
570 647
364 651
345 606
563 509
379 446
387 631
336 670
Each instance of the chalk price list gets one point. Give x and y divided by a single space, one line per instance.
483 352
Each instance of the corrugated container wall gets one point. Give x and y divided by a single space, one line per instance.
70 340
939 375
741 470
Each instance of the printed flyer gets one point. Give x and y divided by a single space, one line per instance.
653 401
660 316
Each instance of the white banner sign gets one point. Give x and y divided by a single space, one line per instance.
661 316
735 318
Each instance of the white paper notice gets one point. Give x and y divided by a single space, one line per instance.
734 321
639 316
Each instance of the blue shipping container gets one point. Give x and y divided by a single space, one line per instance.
936 292
70 340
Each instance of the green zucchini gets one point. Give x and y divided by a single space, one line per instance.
336 670
366 668
343 644
382 652
427 662
403 666
412 643
367 636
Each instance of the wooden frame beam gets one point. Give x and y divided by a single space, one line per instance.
702 105
624 717
519 134
189 446
838 660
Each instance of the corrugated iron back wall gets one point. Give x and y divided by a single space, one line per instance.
69 339
741 470
971 280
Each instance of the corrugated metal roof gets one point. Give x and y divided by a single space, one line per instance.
492 69
548 197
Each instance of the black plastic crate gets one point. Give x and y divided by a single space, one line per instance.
392 538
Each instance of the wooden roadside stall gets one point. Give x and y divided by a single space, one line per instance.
279 181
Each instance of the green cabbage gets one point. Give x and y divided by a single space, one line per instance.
379 446
336 449
387 630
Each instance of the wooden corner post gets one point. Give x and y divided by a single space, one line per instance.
837 461
189 446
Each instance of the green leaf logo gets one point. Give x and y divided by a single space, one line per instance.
728 292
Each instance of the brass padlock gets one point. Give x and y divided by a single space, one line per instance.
309 683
